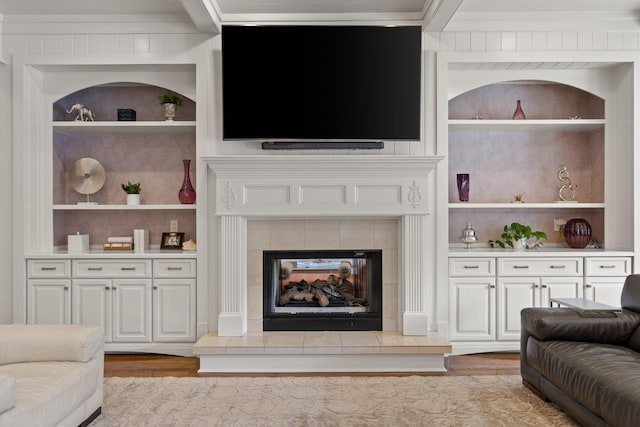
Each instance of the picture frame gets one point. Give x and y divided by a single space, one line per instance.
171 240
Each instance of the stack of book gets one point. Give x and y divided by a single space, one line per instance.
119 244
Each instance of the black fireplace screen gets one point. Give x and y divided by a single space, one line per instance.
322 290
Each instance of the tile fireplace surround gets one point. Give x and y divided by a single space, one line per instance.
288 199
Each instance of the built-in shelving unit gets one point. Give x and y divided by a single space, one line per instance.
575 117
151 300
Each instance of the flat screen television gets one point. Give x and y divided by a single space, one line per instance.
321 83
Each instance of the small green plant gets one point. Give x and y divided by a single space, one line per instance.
515 232
170 97
130 188
517 198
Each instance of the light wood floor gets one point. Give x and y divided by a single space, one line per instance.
151 365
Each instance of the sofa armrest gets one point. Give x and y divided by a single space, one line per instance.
37 343
547 324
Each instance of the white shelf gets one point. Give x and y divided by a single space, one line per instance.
166 207
580 125
553 205
126 126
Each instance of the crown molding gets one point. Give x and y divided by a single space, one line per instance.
205 15
437 14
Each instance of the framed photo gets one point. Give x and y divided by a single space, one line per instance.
171 240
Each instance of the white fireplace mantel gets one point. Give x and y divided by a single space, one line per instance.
321 185
312 186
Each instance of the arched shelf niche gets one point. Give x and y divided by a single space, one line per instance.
104 100
541 100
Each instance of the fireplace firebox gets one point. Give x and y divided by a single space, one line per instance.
326 290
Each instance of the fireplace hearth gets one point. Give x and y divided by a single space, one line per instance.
330 290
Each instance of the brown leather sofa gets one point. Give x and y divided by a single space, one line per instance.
586 362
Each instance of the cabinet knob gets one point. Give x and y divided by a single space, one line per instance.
588 285
492 286
544 286
128 268
535 285
48 268
107 288
520 266
113 288
94 268
607 266
557 266
66 288
471 266
155 287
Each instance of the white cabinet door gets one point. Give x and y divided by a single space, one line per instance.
92 304
514 294
560 287
473 308
131 310
174 302
49 301
606 290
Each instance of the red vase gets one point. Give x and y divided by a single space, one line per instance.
187 195
577 232
519 114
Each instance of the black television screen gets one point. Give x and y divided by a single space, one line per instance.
318 83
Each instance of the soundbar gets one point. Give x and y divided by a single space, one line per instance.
328 145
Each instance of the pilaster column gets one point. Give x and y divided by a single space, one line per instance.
415 320
232 320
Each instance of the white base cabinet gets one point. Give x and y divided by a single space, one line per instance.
93 304
605 278
606 290
516 293
121 306
49 301
138 302
486 294
49 291
473 304
174 302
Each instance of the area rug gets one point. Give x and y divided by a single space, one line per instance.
326 401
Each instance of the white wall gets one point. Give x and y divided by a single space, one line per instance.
100 37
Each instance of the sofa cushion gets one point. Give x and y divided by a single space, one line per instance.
46 392
7 392
575 325
604 378
49 342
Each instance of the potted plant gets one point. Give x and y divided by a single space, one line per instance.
518 236
170 100
133 192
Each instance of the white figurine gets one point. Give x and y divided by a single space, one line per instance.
84 114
